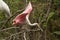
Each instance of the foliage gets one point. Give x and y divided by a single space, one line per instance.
45 12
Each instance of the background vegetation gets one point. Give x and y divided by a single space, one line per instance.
45 12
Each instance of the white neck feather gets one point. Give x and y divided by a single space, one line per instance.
29 23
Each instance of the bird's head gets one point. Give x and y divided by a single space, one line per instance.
15 22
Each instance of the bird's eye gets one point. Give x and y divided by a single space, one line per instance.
14 21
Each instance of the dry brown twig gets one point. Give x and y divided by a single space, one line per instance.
49 7
24 36
8 28
23 31
14 34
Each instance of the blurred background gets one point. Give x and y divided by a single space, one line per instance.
45 12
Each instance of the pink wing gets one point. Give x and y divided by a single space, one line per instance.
20 19
28 8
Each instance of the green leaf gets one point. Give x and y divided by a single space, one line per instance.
57 32
50 15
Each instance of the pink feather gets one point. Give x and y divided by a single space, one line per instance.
21 18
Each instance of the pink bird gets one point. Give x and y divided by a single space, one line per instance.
21 18
24 17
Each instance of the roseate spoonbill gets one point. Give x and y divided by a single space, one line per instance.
4 7
24 17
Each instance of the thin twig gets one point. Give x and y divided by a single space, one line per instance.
49 7
40 27
14 34
22 32
24 36
14 38
8 28
8 33
33 30
45 35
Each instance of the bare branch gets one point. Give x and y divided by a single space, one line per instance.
49 7
24 36
14 34
14 38
8 28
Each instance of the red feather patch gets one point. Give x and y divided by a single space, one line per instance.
20 19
